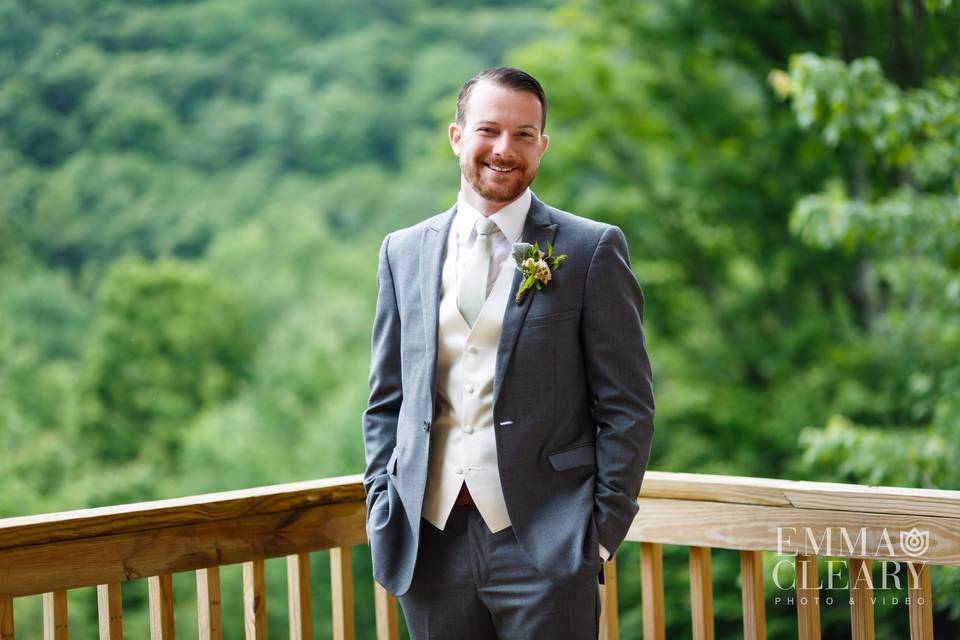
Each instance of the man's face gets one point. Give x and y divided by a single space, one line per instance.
499 144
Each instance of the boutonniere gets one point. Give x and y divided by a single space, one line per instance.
536 266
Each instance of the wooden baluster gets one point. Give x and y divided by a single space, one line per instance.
55 616
110 611
921 601
254 600
160 593
209 614
6 618
341 586
651 578
609 615
298 597
701 593
388 624
861 605
751 585
808 597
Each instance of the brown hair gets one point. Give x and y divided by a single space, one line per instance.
508 78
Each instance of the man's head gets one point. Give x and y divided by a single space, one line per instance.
498 136
506 78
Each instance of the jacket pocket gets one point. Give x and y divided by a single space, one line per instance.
550 318
577 456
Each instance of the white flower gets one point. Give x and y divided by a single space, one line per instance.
543 271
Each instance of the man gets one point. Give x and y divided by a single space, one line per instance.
507 431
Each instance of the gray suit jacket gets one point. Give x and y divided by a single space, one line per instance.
572 401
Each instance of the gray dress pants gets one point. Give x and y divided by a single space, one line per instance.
470 584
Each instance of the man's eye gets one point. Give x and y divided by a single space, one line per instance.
485 130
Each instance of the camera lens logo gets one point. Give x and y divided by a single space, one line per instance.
914 542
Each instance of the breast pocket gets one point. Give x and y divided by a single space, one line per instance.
550 318
580 455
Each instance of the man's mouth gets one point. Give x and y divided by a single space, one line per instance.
499 169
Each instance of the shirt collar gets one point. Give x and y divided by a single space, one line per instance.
509 220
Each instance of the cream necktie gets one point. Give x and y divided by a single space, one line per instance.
476 267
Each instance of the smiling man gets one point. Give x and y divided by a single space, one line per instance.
511 410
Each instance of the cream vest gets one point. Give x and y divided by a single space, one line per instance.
462 443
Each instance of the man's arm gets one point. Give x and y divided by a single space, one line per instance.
619 378
386 390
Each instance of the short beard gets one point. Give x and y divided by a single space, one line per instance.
476 181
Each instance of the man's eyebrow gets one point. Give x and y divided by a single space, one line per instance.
494 122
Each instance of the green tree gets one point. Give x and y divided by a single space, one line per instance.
169 341
42 326
899 212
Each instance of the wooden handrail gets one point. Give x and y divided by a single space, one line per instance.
813 497
760 514
105 547
194 510
801 494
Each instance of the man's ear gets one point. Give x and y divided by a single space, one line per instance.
455 134
544 143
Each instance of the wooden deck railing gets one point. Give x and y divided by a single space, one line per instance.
106 547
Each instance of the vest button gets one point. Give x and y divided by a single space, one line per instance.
426 425
473 350
468 429
469 388
458 471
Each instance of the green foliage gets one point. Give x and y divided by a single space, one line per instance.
169 342
902 212
42 325
868 455
915 128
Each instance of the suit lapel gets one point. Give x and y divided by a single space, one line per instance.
433 249
539 228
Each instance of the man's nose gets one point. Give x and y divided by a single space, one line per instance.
503 145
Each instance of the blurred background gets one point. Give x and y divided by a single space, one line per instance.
192 196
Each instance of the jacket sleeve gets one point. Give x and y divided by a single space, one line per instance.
620 382
386 389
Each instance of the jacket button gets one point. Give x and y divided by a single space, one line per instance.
426 425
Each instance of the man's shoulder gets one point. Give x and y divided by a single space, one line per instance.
409 237
587 230
566 218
